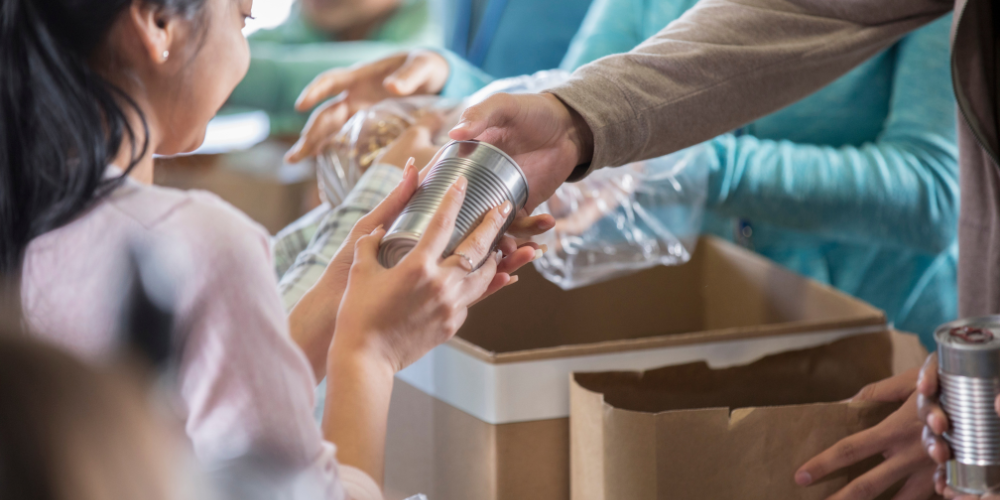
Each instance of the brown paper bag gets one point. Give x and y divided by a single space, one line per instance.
690 432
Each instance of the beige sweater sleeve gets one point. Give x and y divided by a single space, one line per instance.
725 63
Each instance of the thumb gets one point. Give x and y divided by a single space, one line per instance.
495 111
412 75
889 390
366 249
324 86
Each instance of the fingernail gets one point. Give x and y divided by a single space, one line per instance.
932 450
460 184
513 279
545 248
505 208
546 224
461 125
377 229
499 256
803 478
538 254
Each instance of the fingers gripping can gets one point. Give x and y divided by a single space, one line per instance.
493 178
969 374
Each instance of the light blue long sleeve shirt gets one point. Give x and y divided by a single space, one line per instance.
855 186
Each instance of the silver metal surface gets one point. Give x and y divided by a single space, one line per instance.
493 179
973 479
969 377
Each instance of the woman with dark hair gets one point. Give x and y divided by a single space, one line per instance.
89 90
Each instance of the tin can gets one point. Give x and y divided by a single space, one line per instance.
493 178
969 374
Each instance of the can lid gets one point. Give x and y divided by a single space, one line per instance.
970 347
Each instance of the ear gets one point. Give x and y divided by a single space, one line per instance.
157 30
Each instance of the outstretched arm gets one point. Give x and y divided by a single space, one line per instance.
721 65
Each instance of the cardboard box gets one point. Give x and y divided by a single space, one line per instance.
485 416
691 432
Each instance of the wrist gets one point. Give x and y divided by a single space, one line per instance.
351 348
577 131
581 136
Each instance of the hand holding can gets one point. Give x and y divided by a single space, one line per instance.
493 179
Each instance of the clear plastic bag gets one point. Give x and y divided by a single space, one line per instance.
621 220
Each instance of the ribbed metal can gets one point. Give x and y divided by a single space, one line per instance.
493 178
969 376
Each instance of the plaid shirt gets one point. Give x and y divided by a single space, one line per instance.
304 248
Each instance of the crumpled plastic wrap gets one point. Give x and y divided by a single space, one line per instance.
621 220
614 222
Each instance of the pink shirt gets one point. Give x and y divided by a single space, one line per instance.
246 387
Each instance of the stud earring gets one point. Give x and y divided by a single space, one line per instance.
164 56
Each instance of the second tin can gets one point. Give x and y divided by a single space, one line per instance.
493 179
969 375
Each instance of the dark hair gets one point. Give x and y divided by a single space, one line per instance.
61 122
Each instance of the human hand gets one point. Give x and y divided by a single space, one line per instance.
897 439
359 87
397 315
930 412
544 136
414 143
313 321
936 423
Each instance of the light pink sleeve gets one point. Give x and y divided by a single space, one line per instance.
247 388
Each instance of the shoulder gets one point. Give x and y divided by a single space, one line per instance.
198 218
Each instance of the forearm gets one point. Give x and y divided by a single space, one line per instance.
903 194
359 388
312 323
294 238
332 230
725 63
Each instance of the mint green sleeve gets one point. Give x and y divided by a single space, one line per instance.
901 190
464 79
279 71
610 27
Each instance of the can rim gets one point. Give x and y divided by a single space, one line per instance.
524 178
988 322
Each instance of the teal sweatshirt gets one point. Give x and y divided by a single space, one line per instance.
855 186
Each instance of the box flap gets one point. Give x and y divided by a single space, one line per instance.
823 374
734 433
